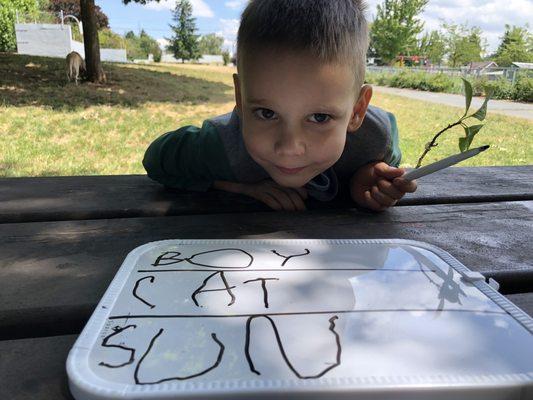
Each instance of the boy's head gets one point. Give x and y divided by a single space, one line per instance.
299 86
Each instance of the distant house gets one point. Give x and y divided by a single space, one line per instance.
488 69
482 66
522 65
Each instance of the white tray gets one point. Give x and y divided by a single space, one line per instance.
306 319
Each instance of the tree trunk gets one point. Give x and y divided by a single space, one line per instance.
95 73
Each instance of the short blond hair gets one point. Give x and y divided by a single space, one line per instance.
334 31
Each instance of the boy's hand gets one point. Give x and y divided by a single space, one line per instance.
378 186
269 192
277 197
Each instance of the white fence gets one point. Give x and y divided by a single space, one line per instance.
205 59
55 40
489 73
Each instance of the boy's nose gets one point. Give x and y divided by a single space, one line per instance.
290 142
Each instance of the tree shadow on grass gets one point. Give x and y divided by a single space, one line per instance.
42 81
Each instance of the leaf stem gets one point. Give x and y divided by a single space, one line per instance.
434 140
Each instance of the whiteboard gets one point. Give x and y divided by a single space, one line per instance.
304 318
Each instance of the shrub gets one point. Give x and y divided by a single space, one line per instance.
498 89
523 89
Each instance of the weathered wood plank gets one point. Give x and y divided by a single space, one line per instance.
101 197
35 368
54 273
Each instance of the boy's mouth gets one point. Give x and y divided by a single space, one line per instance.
289 171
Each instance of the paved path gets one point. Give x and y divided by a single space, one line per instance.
511 108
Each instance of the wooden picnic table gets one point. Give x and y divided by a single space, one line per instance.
62 240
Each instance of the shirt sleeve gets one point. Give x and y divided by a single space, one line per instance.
189 158
394 155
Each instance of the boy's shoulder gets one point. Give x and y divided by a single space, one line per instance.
228 127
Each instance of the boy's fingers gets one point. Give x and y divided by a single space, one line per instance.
405 185
302 192
297 200
382 198
386 171
389 189
284 199
270 201
371 203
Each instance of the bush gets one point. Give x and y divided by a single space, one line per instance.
498 89
523 89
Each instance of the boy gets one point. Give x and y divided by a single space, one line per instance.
302 124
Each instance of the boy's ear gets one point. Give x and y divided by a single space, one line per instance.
359 109
237 86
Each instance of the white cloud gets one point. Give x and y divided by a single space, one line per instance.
199 7
229 33
489 15
235 4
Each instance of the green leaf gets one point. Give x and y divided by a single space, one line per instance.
482 112
470 132
468 94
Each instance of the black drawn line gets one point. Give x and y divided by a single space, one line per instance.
173 259
285 270
287 258
137 287
117 330
179 378
263 285
282 350
141 316
227 288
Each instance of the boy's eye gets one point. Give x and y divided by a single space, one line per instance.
320 118
264 113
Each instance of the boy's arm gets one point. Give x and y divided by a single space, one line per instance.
189 158
379 185
269 192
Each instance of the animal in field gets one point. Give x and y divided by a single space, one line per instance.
75 65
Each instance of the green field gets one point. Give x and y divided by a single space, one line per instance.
49 127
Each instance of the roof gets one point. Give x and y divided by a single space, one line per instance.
523 65
482 64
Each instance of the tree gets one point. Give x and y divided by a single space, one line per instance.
149 46
91 43
72 7
95 72
463 44
141 46
184 43
516 46
433 46
210 44
8 11
396 27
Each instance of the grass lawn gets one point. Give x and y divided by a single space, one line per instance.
49 127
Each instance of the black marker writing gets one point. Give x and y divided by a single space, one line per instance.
179 378
117 330
263 285
287 258
282 350
172 257
201 289
137 287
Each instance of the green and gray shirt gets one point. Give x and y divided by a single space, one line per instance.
192 158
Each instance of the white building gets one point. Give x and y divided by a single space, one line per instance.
55 40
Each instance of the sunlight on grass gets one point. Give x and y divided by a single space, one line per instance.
49 127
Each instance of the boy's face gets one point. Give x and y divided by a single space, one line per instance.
295 113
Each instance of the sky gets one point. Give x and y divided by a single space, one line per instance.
222 16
